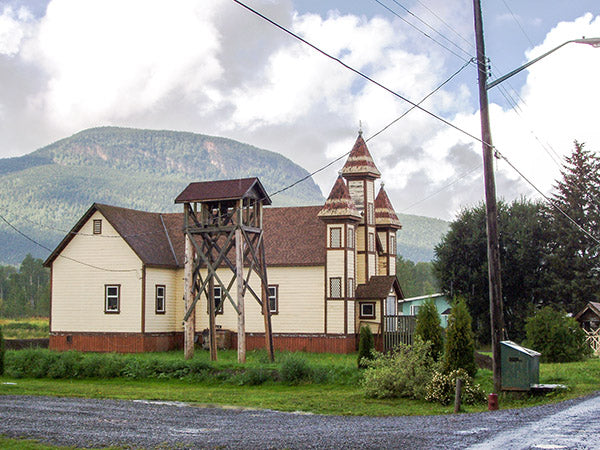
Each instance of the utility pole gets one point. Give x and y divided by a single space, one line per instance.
493 248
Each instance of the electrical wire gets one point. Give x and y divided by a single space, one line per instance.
60 255
359 73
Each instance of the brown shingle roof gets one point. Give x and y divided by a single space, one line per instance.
384 211
359 161
224 190
293 236
339 204
378 287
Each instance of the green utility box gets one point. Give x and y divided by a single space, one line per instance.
520 367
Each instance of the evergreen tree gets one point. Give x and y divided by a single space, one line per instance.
429 328
573 255
1 353
460 346
366 345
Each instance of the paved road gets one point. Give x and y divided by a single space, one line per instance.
574 424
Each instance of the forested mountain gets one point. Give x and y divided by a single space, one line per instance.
45 192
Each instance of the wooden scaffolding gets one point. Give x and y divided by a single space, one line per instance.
223 230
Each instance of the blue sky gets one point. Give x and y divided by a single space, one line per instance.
212 67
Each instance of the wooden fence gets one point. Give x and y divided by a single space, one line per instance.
593 339
398 330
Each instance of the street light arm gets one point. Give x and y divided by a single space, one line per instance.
595 42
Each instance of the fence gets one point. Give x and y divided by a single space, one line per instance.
593 339
398 330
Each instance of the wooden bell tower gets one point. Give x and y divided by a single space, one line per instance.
223 230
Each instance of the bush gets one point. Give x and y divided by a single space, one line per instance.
1 353
429 328
556 336
295 369
366 345
459 352
402 373
442 388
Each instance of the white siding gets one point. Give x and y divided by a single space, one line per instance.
335 316
78 290
166 322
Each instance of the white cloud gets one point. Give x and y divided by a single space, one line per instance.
13 29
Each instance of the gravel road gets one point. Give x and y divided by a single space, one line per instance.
574 424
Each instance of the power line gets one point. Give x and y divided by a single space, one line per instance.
517 21
60 255
356 71
423 32
374 135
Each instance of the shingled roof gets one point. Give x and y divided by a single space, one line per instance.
360 162
224 190
339 204
384 211
379 287
157 239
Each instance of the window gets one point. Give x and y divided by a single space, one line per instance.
414 309
371 242
367 310
274 299
350 237
97 226
218 300
335 237
112 298
350 287
335 287
392 244
370 214
160 299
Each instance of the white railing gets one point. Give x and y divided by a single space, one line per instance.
593 338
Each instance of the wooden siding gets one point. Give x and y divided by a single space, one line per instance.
301 307
335 316
78 290
317 343
351 306
372 265
116 342
168 321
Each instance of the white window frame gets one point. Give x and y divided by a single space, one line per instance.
97 226
218 294
362 314
350 287
108 297
414 309
160 297
335 237
337 282
350 243
273 290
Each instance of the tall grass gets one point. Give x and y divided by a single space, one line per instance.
30 328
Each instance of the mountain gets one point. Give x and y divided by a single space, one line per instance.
419 235
45 192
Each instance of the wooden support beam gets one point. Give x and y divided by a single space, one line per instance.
239 263
189 323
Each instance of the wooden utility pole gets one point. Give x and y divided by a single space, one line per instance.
239 268
493 249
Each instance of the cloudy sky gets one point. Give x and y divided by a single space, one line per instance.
212 67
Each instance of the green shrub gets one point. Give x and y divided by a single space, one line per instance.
442 388
556 336
429 328
459 351
1 353
366 346
402 373
251 377
64 365
295 369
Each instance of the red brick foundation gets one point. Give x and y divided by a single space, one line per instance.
116 342
160 342
316 343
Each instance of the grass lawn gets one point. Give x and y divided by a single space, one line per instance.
340 396
28 328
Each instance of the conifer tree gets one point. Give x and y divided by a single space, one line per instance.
460 346
429 328
574 257
1 353
366 345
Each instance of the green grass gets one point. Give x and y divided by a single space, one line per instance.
28 328
31 444
339 394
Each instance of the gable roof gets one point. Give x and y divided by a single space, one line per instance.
592 306
360 162
378 287
224 190
158 240
384 211
339 204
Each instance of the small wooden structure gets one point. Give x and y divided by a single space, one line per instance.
223 228
589 319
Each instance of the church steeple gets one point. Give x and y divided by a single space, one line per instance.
359 162
385 216
339 205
